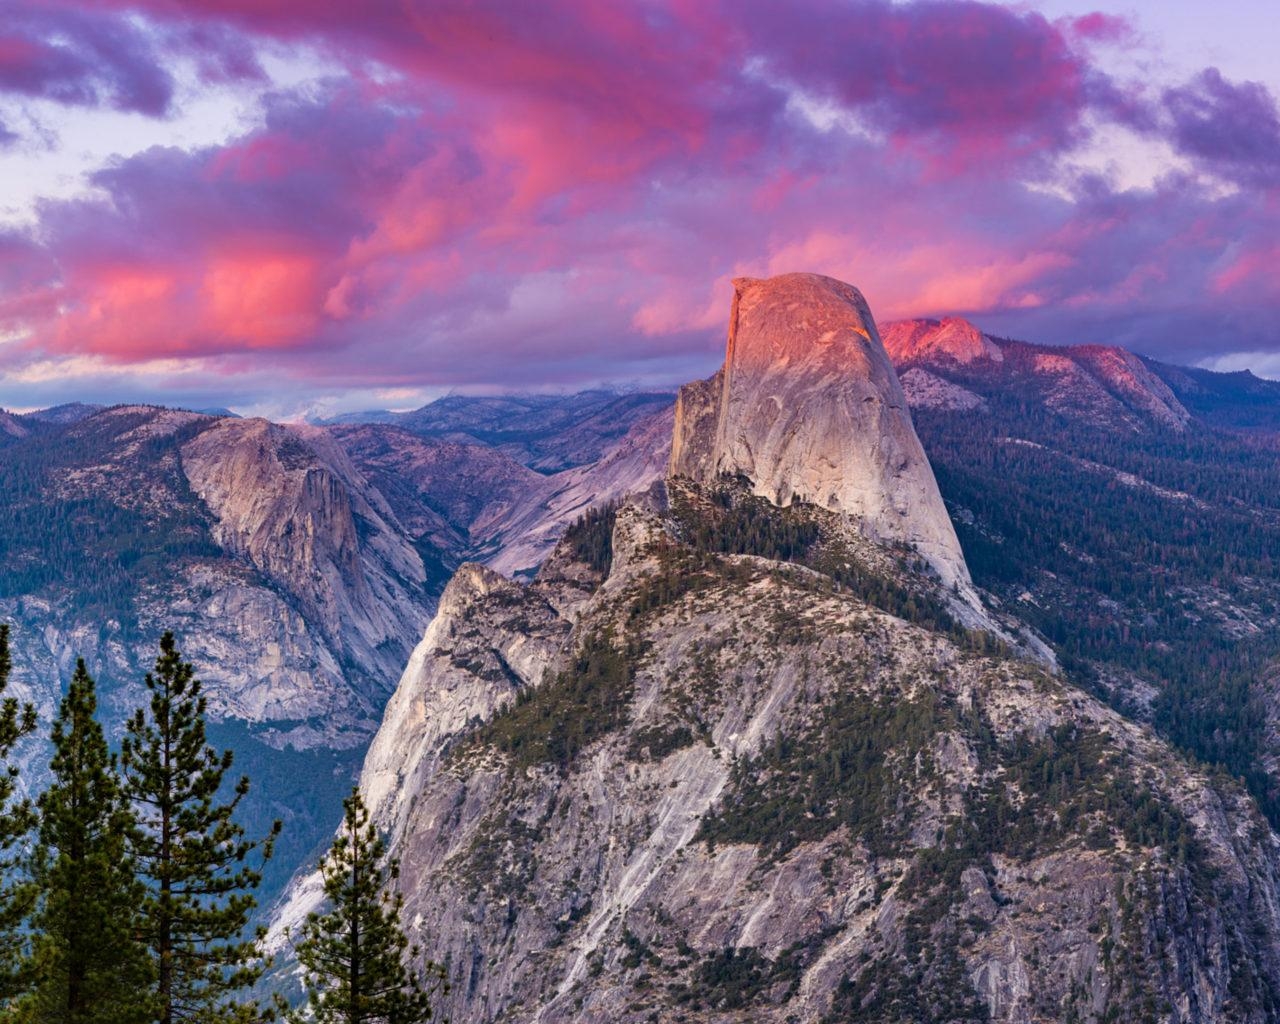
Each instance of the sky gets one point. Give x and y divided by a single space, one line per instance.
299 208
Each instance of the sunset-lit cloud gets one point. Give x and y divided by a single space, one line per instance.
495 195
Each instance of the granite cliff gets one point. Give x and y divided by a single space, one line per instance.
807 405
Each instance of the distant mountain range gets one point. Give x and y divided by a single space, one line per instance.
547 433
951 363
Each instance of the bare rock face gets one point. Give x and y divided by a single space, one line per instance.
697 417
951 338
925 390
288 500
809 407
1127 376
9 425
489 639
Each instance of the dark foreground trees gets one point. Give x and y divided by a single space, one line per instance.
131 903
354 955
17 720
192 854
127 889
87 965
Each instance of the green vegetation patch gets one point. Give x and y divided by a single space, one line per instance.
590 538
1123 574
734 521
655 742
733 979
553 723
856 767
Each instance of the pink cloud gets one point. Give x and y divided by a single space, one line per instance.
1098 26
507 194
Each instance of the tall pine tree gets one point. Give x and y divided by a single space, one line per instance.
192 853
88 964
16 821
354 956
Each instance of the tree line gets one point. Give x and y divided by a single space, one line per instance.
127 886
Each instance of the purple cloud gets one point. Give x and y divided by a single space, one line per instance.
972 80
1234 128
81 58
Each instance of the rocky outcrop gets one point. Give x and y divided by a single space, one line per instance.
490 639
693 443
10 426
1128 377
952 338
809 407
925 390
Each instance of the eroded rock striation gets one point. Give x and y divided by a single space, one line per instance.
808 406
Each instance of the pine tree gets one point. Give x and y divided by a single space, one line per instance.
192 853
16 820
354 956
88 963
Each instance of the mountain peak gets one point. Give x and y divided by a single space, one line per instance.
951 337
807 405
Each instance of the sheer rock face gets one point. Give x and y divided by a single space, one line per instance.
490 638
288 500
809 406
